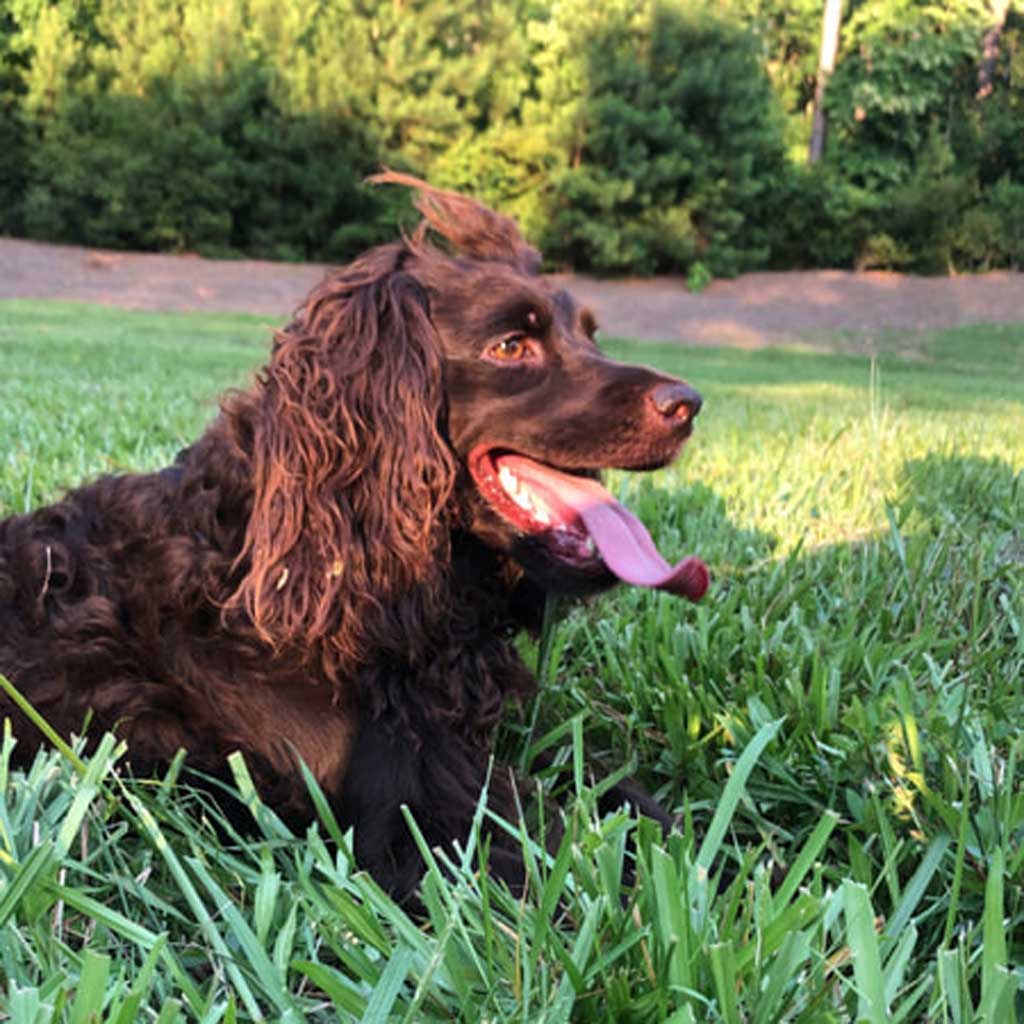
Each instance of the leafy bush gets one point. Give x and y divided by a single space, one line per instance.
210 167
698 277
939 168
629 136
908 70
12 136
144 153
924 212
118 171
662 139
820 219
992 232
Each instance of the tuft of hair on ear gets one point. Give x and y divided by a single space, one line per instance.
469 226
345 549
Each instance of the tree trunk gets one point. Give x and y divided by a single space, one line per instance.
990 48
830 23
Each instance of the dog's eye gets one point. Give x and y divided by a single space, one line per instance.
510 348
516 348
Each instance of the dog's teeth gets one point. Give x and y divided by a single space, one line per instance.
591 546
529 502
508 479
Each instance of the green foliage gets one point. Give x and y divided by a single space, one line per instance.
913 153
907 68
626 136
821 219
428 75
995 134
202 165
663 139
12 138
994 229
166 134
698 277
908 132
862 519
789 33
925 210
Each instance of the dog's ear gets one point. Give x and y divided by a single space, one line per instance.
351 470
469 226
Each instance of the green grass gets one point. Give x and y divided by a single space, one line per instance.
846 702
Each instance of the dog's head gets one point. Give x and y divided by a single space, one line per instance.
534 410
438 383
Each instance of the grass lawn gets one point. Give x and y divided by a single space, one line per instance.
847 702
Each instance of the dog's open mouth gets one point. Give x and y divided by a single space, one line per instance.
580 522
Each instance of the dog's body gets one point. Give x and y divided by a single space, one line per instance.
335 570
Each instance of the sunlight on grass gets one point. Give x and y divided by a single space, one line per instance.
845 703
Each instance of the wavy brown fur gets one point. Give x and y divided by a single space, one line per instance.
317 577
350 470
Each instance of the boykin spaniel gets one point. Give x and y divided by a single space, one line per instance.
336 569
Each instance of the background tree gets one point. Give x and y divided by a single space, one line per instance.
831 23
639 136
650 141
990 48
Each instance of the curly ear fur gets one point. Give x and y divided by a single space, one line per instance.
350 468
469 226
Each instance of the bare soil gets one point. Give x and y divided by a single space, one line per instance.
823 307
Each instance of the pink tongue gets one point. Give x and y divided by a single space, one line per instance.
625 546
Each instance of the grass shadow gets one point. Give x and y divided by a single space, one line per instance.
847 642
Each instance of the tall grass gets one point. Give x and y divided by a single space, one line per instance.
845 705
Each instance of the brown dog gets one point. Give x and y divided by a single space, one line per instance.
335 569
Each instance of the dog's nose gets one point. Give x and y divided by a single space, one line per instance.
675 400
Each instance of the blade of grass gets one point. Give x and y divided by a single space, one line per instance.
385 991
993 947
867 961
733 793
188 891
91 989
53 737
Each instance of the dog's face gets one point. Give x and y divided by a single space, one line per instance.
535 412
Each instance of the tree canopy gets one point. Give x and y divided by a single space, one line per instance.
627 136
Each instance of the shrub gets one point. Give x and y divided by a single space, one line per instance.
629 136
671 147
150 132
13 150
819 219
992 232
907 77
652 141
212 167
120 171
698 277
